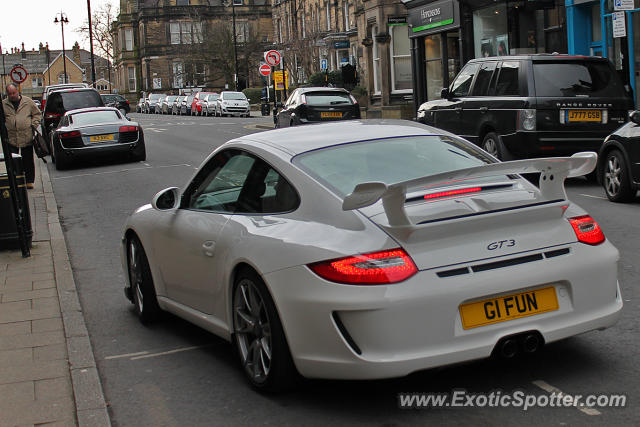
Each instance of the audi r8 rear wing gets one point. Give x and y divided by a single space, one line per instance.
554 171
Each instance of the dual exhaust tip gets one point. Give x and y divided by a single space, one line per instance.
525 342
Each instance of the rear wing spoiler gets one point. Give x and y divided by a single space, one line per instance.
554 170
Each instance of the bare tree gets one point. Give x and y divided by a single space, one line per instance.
101 20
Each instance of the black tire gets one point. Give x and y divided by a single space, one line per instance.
258 336
139 154
61 161
492 144
615 178
143 292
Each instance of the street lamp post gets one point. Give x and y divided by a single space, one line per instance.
63 20
93 66
235 45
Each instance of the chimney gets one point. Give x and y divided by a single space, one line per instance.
24 52
41 48
76 53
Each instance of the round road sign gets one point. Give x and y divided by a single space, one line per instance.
272 57
18 74
265 70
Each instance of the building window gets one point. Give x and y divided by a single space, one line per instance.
377 71
328 16
36 82
346 16
61 78
185 33
490 31
182 2
237 2
128 39
175 32
131 71
279 31
242 32
400 59
177 75
302 24
196 28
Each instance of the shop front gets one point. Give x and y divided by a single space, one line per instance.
445 34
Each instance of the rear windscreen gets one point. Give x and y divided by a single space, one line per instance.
577 79
83 99
95 118
327 98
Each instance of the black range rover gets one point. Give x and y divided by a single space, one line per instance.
532 105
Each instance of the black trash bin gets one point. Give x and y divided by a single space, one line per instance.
265 108
9 238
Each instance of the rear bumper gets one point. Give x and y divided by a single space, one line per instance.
414 325
102 149
557 143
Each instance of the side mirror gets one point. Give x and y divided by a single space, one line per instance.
444 93
634 116
166 199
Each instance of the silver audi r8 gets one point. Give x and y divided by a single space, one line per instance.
371 249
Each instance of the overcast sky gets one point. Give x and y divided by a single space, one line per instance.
35 24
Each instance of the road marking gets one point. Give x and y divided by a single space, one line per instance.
120 171
156 130
593 197
164 353
551 389
119 356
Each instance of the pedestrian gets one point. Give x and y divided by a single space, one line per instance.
22 118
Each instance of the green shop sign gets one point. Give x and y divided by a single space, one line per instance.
432 15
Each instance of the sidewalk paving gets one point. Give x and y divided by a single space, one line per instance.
48 374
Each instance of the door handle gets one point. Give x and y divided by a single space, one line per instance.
483 110
208 247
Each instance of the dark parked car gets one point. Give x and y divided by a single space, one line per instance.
61 101
317 104
116 101
88 132
532 105
619 161
48 89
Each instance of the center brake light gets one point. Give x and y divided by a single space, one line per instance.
587 230
128 129
452 192
50 116
376 268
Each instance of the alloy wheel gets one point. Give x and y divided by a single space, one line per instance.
253 331
491 147
612 176
135 275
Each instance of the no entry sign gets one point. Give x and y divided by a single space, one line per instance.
265 70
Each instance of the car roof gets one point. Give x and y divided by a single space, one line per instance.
77 89
300 139
541 57
322 89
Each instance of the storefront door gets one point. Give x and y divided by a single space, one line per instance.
442 61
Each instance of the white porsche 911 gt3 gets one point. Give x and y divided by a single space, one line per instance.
371 249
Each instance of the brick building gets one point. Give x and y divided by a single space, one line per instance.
175 46
46 67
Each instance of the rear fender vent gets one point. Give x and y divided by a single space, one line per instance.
345 334
477 268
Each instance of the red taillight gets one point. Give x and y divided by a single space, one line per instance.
587 230
375 268
72 134
128 129
452 192
50 116
127 101
303 99
355 101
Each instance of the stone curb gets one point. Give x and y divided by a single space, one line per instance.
91 408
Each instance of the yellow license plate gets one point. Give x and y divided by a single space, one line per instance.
330 115
584 115
508 307
101 138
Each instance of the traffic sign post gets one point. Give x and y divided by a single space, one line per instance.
18 74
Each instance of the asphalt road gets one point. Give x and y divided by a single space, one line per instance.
174 373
